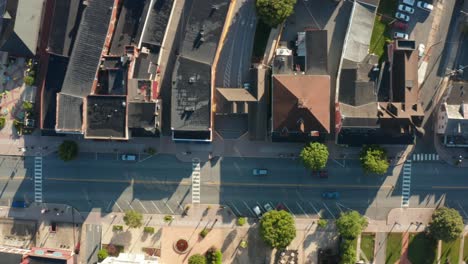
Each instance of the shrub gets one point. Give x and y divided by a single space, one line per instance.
148 229
2 122
168 218
322 223
133 219
214 256
27 106
68 150
102 254
28 80
151 151
117 228
241 221
197 259
204 232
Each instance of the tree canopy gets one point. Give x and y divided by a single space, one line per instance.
314 156
374 159
350 224
277 228
274 12
348 251
447 224
197 259
68 150
133 219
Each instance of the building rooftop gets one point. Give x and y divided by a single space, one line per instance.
106 116
145 116
191 95
21 26
204 24
13 258
139 90
69 114
458 94
145 64
317 54
301 103
66 18
155 22
127 25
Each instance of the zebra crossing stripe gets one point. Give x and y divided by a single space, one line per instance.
196 192
38 179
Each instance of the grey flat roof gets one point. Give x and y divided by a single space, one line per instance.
142 115
191 95
70 111
458 94
203 27
66 15
158 18
317 54
106 116
359 32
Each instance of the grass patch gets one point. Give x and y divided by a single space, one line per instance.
422 249
379 37
393 250
262 32
450 251
117 228
148 229
465 250
367 246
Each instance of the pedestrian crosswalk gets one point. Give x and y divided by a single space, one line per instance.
195 181
38 179
406 184
425 157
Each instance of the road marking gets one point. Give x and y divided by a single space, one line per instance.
289 209
235 208
300 207
118 206
328 209
315 209
250 210
131 207
38 179
463 210
180 205
109 205
142 206
170 209
155 206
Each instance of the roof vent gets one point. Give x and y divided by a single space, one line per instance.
192 79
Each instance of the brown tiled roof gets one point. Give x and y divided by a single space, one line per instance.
301 103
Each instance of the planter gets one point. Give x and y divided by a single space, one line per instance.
181 246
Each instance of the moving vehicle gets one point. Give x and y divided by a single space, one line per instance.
421 49
330 195
400 35
402 17
268 207
425 6
257 211
408 2
260 172
405 8
129 157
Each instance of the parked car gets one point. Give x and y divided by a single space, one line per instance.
257 211
268 207
323 174
330 195
402 17
400 35
19 204
281 206
425 6
408 2
421 49
128 157
400 25
405 8
260 172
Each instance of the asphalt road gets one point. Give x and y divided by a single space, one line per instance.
162 185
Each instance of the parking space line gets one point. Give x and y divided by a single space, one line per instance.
315 209
250 210
131 207
463 210
300 207
235 208
170 209
328 209
109 205
180 205
116 203
142 206
155 206
289 209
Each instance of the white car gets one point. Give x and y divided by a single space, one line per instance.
268 207
405 8
425 6
400 35
408 2
257 211
421 49
402 17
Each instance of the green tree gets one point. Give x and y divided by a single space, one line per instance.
2 122
275 12
446 225
374 159
322 223
197 259
102 254
133 219
27 106
214 256
348 251
350 224
28 80
277 228
314 156
68 150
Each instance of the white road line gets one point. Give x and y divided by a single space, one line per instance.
289 209
302 209
463 210
155 206
315 209
142 206
180 205
328 209
235 208
131 207
250 210
170 209
109 205
118 206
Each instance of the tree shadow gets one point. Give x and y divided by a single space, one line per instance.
121 237
229 239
